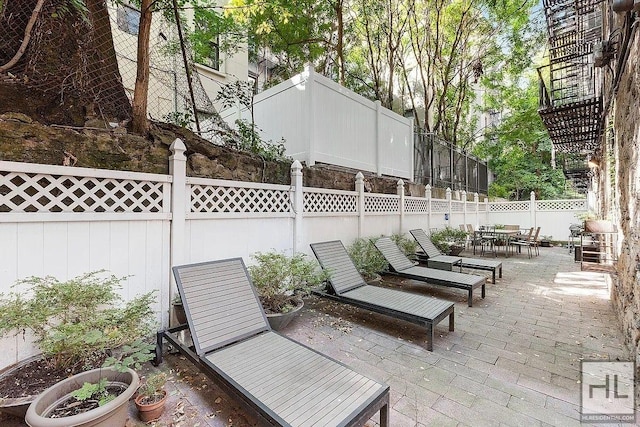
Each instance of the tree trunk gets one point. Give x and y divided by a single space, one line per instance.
140 93
111 86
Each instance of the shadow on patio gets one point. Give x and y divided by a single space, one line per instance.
514 358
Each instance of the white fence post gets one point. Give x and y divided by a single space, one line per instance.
400 188
179 205
486 210
298 205
448 215
427 194
360 190
464 206
378 125
533 209
476 203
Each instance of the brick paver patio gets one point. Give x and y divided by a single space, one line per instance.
513 359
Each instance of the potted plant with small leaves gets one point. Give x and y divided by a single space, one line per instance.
81 326
281 281
449 240
152 397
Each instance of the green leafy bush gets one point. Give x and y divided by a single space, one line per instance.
77 319
281 280
407 245
367 259
447 237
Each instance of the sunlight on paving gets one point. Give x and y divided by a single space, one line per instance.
576 283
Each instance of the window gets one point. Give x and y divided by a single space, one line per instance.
206 43
128 19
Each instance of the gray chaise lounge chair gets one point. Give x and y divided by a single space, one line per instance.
402 266
286 382
349 287
431 252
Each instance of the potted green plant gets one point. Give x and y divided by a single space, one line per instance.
76 324
545 241
367 259
281 281
151 397
449 240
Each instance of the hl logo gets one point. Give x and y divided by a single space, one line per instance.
608 392
605 386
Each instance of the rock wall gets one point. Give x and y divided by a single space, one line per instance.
626 196
23 140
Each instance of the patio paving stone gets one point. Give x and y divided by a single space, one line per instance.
513 359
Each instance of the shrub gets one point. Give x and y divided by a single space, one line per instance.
77 319
367 259
447 237
407 245
280 279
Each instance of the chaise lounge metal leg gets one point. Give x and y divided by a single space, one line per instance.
430 334
470 301
451 321
384 415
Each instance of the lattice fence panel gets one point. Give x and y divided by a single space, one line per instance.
381 204
324 202
457 206
32 192
561 205
509 206
205 198
439 206
416 205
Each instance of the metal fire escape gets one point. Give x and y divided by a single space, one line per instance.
570 86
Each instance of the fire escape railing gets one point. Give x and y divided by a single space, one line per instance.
571 86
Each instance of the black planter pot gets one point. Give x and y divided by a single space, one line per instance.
278 321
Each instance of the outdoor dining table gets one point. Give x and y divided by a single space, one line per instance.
496 234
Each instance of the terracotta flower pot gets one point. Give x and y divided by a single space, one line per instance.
112 414
151 411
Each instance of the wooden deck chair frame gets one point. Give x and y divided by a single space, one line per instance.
285 382
432 252
402 266
347 286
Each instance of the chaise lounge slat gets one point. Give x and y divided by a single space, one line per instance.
433 253
349 287
288 383
402 266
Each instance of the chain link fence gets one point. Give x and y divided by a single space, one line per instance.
440 164
86 56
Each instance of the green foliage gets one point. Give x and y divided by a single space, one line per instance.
250 141
519 149
179 118
75 319
367 259
447 237
130 356
153 385
278 277
94 391
407 245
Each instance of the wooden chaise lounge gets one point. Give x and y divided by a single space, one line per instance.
432 253
287 383
402 266
347 286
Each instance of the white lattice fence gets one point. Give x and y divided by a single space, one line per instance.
28 188
416 205
561 205
439 206
457 206
232 197
381 203
509 206
321 201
